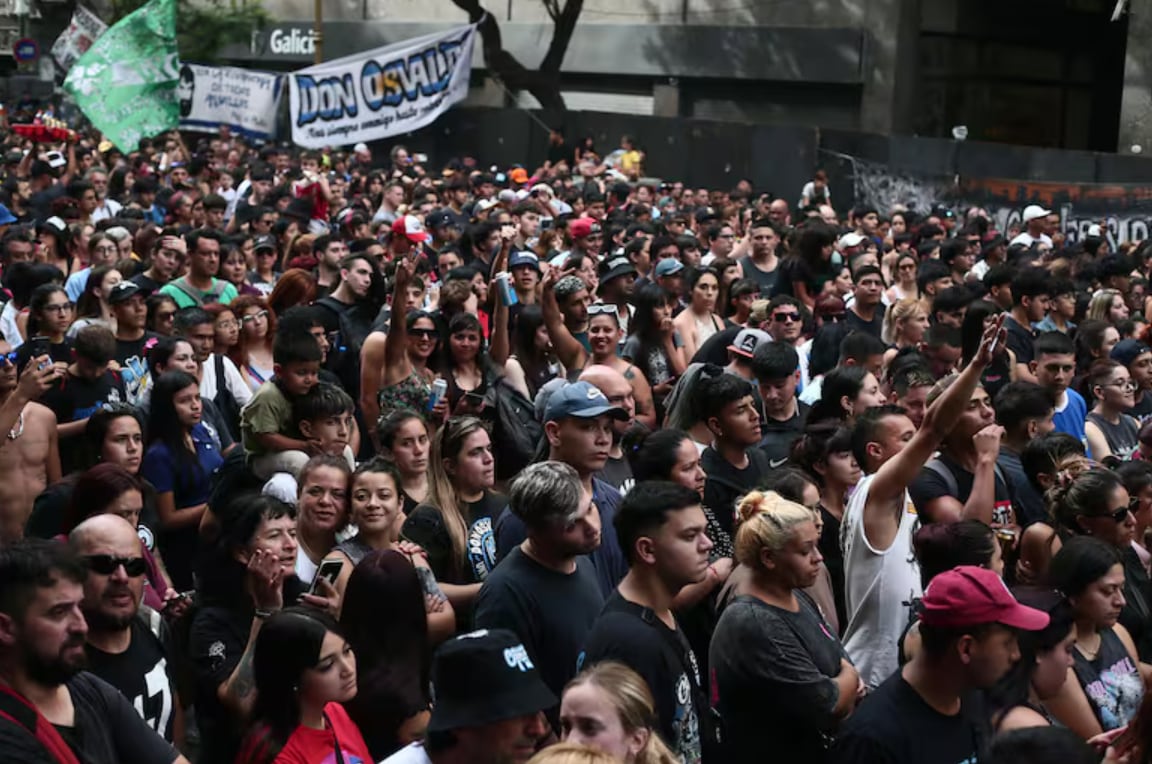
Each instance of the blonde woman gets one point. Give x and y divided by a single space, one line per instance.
774 624
456 525
1107 305
609 707
905 323
572 753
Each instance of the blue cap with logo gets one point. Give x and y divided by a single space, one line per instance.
583 400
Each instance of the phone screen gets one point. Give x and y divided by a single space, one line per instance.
329 571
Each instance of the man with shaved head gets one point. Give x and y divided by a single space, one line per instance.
616 471
128 644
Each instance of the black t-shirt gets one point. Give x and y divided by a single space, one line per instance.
930 485
147 284
715 348
1020 340
107 730
559 152
778 436
1143 407
724 484
635 636
875 327
142 673
425 526
894 725
132 355
216 641
551 612
773 674
617 473
766 280
60 352
74 398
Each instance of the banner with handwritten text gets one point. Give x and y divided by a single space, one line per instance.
211 96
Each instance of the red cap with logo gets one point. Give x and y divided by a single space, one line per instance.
972 596
410 226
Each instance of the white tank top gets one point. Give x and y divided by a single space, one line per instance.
879 584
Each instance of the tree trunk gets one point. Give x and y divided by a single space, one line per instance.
544 85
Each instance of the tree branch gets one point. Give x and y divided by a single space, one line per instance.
544 85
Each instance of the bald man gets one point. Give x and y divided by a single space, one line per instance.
128 645
617 472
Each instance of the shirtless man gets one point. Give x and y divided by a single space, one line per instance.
29 459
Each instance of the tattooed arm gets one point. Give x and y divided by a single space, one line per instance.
265 579
238 692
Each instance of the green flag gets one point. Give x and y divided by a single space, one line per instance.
126 83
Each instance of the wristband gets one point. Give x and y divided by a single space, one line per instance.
262 614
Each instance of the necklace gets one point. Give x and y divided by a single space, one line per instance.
18 429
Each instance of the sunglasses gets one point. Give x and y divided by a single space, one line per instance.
8 359
603 308
428 334
106 564
1118 515
834 317
785 318
253 316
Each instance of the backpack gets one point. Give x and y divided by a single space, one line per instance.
344 354
515 431
225 401
201 299
941 469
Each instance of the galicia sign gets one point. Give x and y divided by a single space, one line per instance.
292 42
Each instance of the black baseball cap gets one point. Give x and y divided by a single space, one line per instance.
264 241
484 677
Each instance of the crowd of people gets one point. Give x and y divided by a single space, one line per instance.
333 457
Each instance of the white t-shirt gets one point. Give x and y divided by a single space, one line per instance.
414 753
1028 239
879 585
232 379
8 326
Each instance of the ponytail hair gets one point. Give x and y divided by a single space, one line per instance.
632 700
767 521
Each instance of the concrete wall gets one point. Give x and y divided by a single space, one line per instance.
1135 134
667 35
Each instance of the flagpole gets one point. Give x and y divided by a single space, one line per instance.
318 31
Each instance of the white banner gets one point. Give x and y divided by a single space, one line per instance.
75 41
383 92
211 96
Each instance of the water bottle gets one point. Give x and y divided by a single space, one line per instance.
439 388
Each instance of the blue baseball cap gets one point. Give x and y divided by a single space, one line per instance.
524 258
6 216
583 400
669 267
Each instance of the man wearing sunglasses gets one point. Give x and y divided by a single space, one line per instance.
127 646
785 319
54 710
29 460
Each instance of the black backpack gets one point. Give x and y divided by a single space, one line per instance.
344 355
515 431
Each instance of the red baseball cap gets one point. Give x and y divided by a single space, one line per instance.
410 226
583 227
972 596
